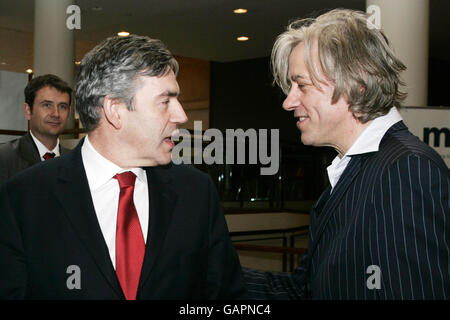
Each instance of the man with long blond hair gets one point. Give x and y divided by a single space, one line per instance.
381 229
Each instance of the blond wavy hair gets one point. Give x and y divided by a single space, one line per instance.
354 55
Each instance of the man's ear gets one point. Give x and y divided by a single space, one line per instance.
111 108
26 111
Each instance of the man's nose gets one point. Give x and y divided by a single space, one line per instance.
55 111
292 100
178 114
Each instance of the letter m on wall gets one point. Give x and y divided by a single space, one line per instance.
437 136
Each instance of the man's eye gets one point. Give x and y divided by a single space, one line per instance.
303 86
64 106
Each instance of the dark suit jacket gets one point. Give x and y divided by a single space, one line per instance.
390 209
19 154
48 223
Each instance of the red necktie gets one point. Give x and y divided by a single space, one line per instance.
130 244
48 155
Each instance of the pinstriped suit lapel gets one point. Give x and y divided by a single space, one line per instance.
328 208
325 206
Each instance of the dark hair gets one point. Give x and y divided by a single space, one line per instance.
113 68
49 80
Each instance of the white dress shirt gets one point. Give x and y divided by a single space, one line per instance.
105 191
368 141
43 149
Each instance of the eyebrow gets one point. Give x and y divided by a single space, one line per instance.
168 93
297 77
46 101
52 102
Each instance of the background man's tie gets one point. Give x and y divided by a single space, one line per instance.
130 244
48 155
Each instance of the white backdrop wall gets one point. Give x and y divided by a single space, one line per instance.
12 85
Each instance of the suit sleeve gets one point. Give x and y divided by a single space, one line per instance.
13 276
278 285
224 278
410 229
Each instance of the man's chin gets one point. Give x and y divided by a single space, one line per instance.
54 132
306 141
159 162
165 162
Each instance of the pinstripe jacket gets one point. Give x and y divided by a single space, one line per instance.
383 233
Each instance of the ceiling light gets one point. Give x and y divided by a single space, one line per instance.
240 11
77 63
123 34
242 38
29 71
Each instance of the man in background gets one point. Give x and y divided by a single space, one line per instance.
381 230
47 107
114 218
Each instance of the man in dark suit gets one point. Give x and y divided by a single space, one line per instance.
114 219
381 230
47 107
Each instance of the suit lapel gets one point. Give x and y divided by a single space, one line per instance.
28 149
63 150
74 195
162 201
325 206
328 208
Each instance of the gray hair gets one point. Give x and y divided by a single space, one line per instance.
113 68
355 56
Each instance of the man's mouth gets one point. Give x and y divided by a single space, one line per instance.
301 118
55 124
301 121
170 139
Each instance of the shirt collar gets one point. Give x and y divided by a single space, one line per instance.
43 149
100 170
369 140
